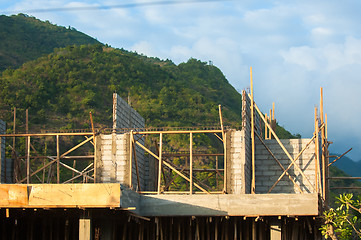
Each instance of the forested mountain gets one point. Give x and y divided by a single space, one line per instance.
65 80
60 89
24 38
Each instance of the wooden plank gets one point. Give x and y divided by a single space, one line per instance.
13 195
74 195
60 195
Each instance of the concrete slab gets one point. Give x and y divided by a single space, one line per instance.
230 204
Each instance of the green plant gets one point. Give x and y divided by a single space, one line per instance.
343 222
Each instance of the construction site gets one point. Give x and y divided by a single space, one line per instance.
127 183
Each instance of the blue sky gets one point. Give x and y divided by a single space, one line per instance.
294 47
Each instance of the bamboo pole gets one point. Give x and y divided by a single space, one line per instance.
64 154
28 161
270 122
217 172
316 153
16 163
339 157
171 167
57 160
281 145
292 163
224 150
265 128
160 161
274 157
253 183
323 147
131 143
191 163
95 148
136 162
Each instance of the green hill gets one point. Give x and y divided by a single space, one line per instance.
24 38
336 172
60 89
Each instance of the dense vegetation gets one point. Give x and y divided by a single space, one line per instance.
24 38
60 89
334 193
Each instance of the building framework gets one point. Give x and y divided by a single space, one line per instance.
128 182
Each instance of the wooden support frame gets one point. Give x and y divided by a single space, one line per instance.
281 145
58 158
169 166
288 168
224 140
281 166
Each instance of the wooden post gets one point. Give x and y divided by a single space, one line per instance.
85 229
270 123
131 159
191 163
327 160
14 129
160 161
16 164
316 151
217 172
323 147
28 161
95 148
224 150
253 184
57 160
265 128
135 161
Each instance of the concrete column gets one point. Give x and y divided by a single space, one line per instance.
275 231
85 229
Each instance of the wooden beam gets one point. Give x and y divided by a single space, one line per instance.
64 154
57 160
176 132
278 162
339 157
282 146
191 163
317 165
160 161
171 167
253 181
27 161
136 162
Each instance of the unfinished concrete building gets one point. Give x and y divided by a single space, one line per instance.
130 184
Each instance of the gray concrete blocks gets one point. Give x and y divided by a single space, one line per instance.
268 171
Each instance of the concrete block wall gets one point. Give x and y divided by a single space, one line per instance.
237 162
114 151
124 116
113 158
246 127
268 171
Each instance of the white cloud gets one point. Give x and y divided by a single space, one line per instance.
294 48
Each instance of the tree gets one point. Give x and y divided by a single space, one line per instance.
344 222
